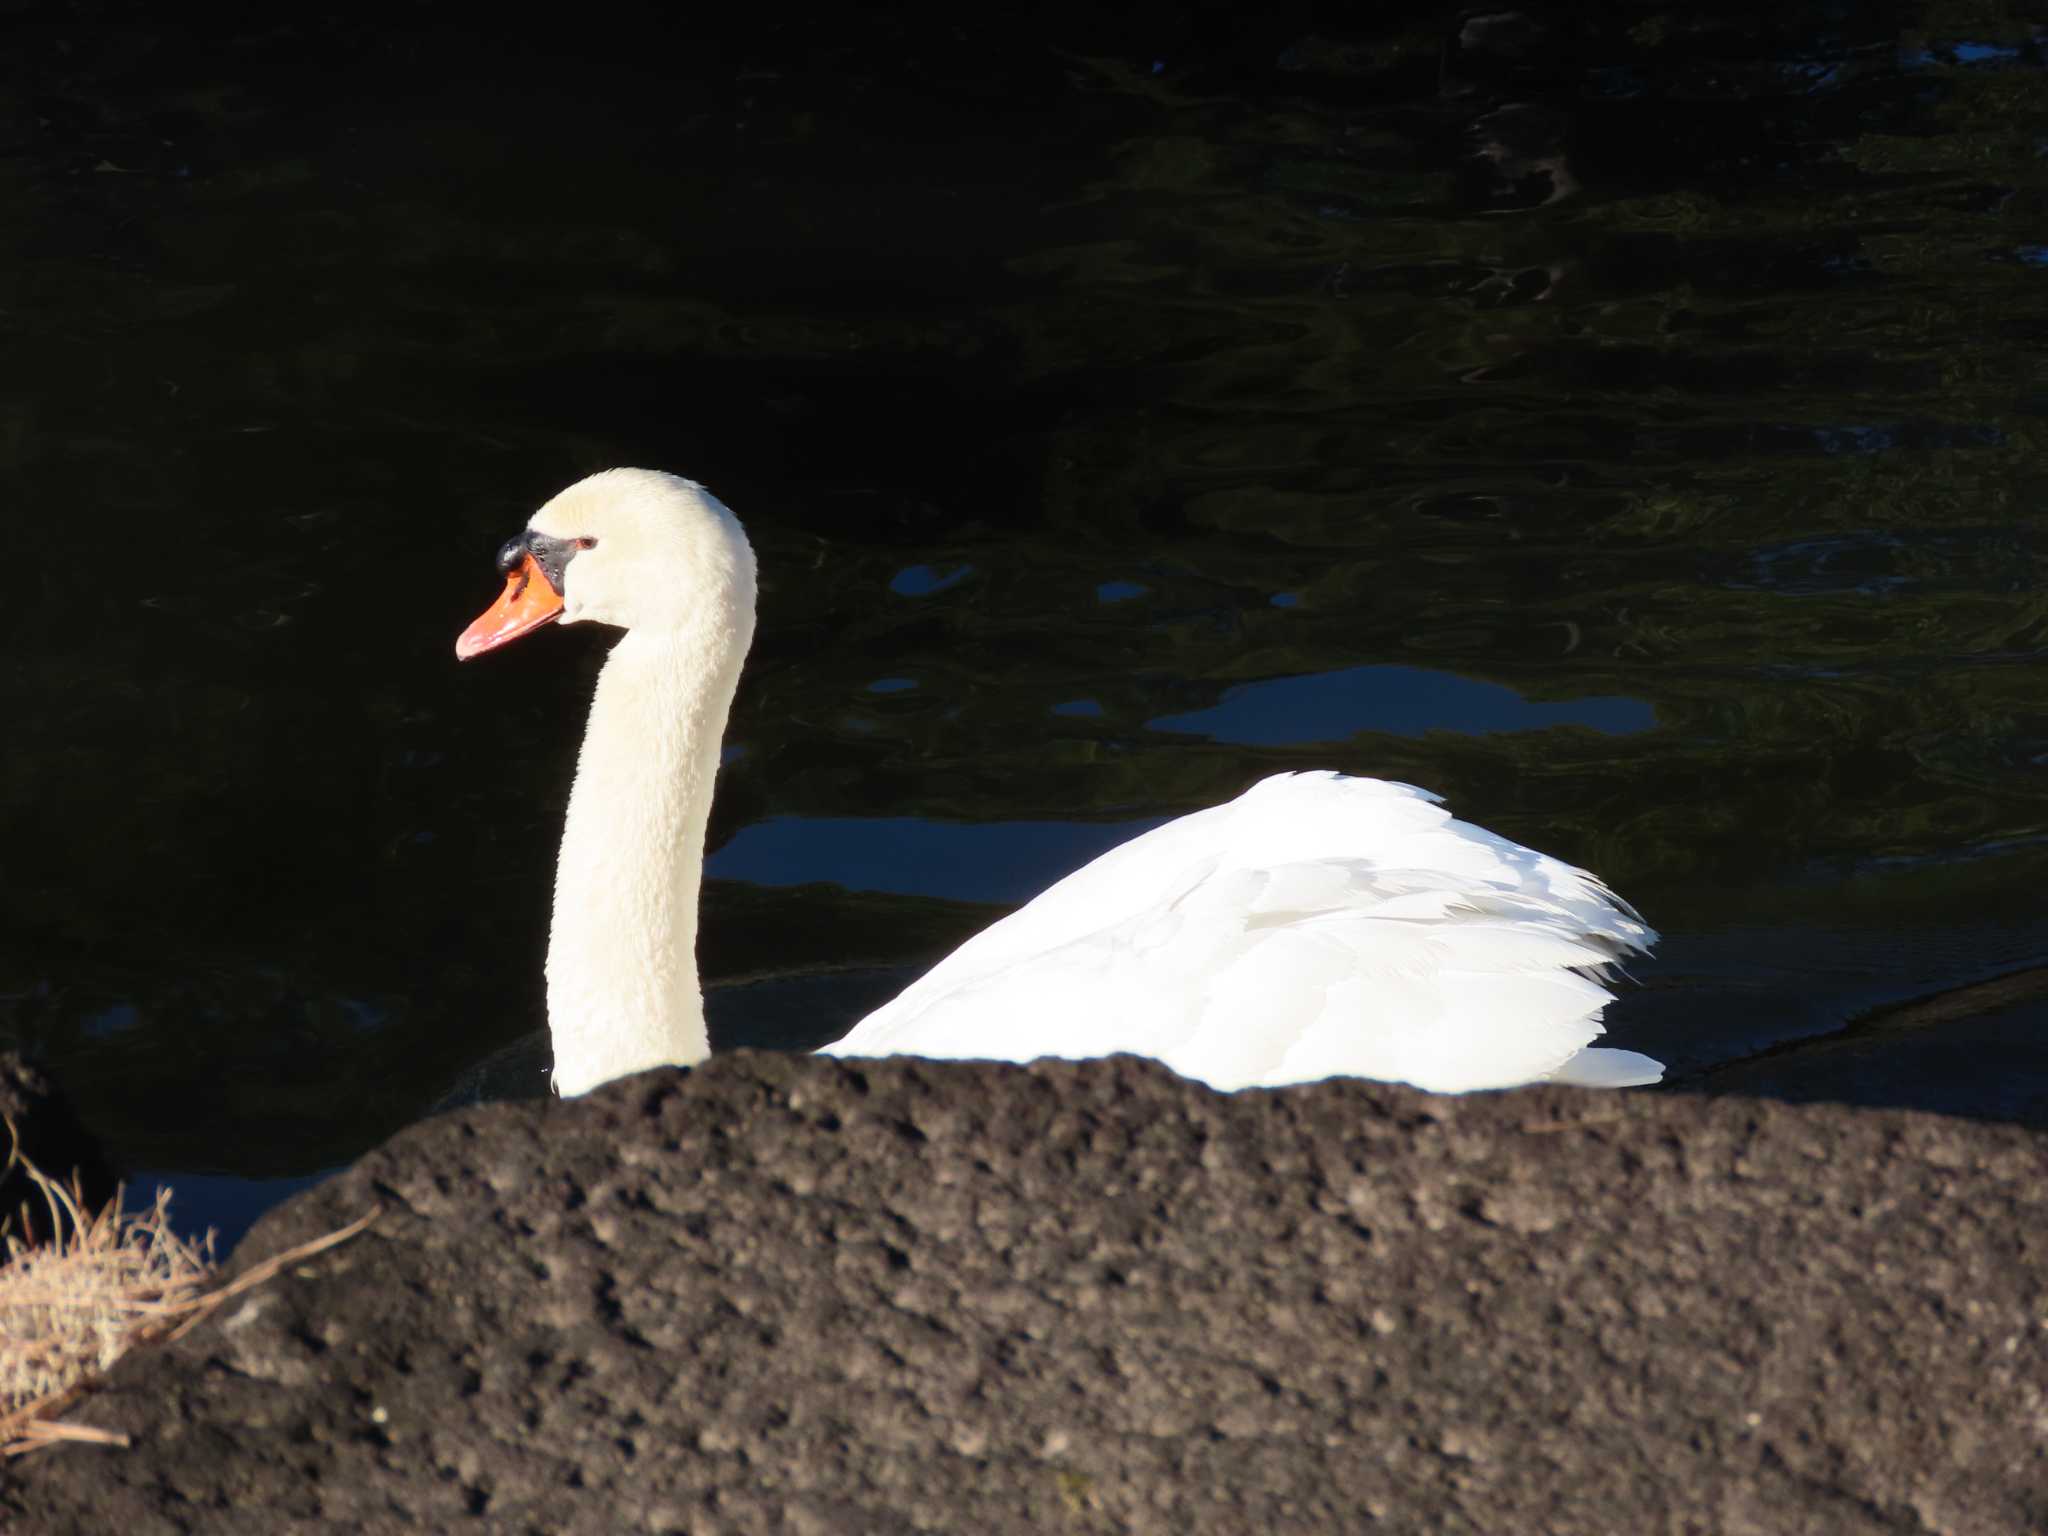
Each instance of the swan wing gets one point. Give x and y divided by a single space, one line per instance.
1316 926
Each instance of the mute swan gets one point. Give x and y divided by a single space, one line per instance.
1317 925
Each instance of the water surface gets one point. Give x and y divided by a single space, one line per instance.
1629 428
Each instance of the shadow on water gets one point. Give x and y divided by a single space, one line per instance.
1627 426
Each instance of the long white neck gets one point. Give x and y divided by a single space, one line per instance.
623 993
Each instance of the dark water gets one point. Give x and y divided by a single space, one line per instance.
1630 427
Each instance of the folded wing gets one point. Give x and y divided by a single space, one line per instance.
1316 926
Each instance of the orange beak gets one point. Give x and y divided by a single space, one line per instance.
527 602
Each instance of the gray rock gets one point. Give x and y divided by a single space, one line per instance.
785 1293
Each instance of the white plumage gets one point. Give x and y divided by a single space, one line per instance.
1317 925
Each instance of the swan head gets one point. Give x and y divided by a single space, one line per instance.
638 549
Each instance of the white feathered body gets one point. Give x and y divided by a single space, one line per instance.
1316 926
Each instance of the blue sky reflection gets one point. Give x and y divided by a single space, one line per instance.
926 580
1401 701
1002 861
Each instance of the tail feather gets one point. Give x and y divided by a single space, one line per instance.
1606 1067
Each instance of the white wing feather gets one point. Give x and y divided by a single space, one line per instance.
1315 926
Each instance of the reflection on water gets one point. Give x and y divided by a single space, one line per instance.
1403 701
221 1204
1627 425
1006 862
1881 563
1119 591
925 580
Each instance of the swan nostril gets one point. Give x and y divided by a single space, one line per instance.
550 555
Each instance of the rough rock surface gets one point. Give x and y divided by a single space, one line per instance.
797 1294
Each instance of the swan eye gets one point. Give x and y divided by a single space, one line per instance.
586 543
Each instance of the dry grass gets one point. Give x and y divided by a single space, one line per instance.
104 1283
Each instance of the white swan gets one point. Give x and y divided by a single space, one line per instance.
1315 926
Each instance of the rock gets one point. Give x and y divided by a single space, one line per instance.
797 1293
52 1139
